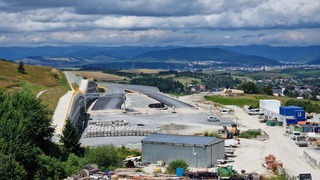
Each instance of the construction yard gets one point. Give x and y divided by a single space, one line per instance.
250 155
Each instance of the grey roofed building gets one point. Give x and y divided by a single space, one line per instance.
197 151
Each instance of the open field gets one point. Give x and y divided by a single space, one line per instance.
100 76
250 100
261 75
138 71
186 80
36 79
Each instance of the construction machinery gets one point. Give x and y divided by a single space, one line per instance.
234 131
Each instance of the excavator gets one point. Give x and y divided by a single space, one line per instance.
234 131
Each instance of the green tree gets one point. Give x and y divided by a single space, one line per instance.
10 168
49 168
179 163
70 138
25 129
267 90
73 164
249 88
21 68
30 116
105 157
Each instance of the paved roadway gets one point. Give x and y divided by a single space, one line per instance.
115 97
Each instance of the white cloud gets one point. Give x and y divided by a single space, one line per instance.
161 21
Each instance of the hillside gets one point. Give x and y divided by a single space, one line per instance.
317 61
279 53
207 54
36 79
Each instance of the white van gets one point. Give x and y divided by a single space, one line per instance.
254 111
224 111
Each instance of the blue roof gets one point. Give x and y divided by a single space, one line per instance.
292 107
181 139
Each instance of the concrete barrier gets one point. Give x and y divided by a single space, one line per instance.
311 160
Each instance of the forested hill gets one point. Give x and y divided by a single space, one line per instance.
206 54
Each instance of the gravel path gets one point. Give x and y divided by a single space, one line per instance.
252 152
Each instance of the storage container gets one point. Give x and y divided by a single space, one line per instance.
179 172
316 129
300 114
270 105
291 121
289 110
307 128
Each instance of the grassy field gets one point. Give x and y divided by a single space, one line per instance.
139 71
270 74
100 76
250 100
186 80
36 79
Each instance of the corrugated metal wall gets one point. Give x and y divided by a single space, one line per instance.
194 156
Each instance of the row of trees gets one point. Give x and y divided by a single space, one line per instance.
252 88
26 150
307 105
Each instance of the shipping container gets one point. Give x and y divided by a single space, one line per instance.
300 114
316 129
270 105
294 127
307 128
289 110
291 121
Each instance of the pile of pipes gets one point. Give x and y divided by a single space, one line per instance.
115 128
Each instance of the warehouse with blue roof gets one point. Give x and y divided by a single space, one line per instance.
197 151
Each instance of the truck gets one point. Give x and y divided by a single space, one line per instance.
301 141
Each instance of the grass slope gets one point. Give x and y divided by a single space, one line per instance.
100 76
36 79
250 100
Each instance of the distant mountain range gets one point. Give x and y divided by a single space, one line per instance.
253 55
207 54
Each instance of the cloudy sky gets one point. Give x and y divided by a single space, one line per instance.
159 22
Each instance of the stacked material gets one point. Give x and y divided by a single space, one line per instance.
115 128
272 163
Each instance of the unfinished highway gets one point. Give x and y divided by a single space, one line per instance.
115 97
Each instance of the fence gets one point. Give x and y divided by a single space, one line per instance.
311 160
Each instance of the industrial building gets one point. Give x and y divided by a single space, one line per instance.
197 151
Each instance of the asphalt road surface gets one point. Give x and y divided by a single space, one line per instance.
114 98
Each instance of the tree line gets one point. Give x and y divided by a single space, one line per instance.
164 85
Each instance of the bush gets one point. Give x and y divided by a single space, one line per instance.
213 134
179 163
249 134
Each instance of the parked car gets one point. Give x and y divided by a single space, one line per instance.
254 111
294 134
231 142
225 111
304 176
301 141
213 119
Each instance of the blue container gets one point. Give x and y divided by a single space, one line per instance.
179 172
291 121
307 128
316 129
300 114
289 110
